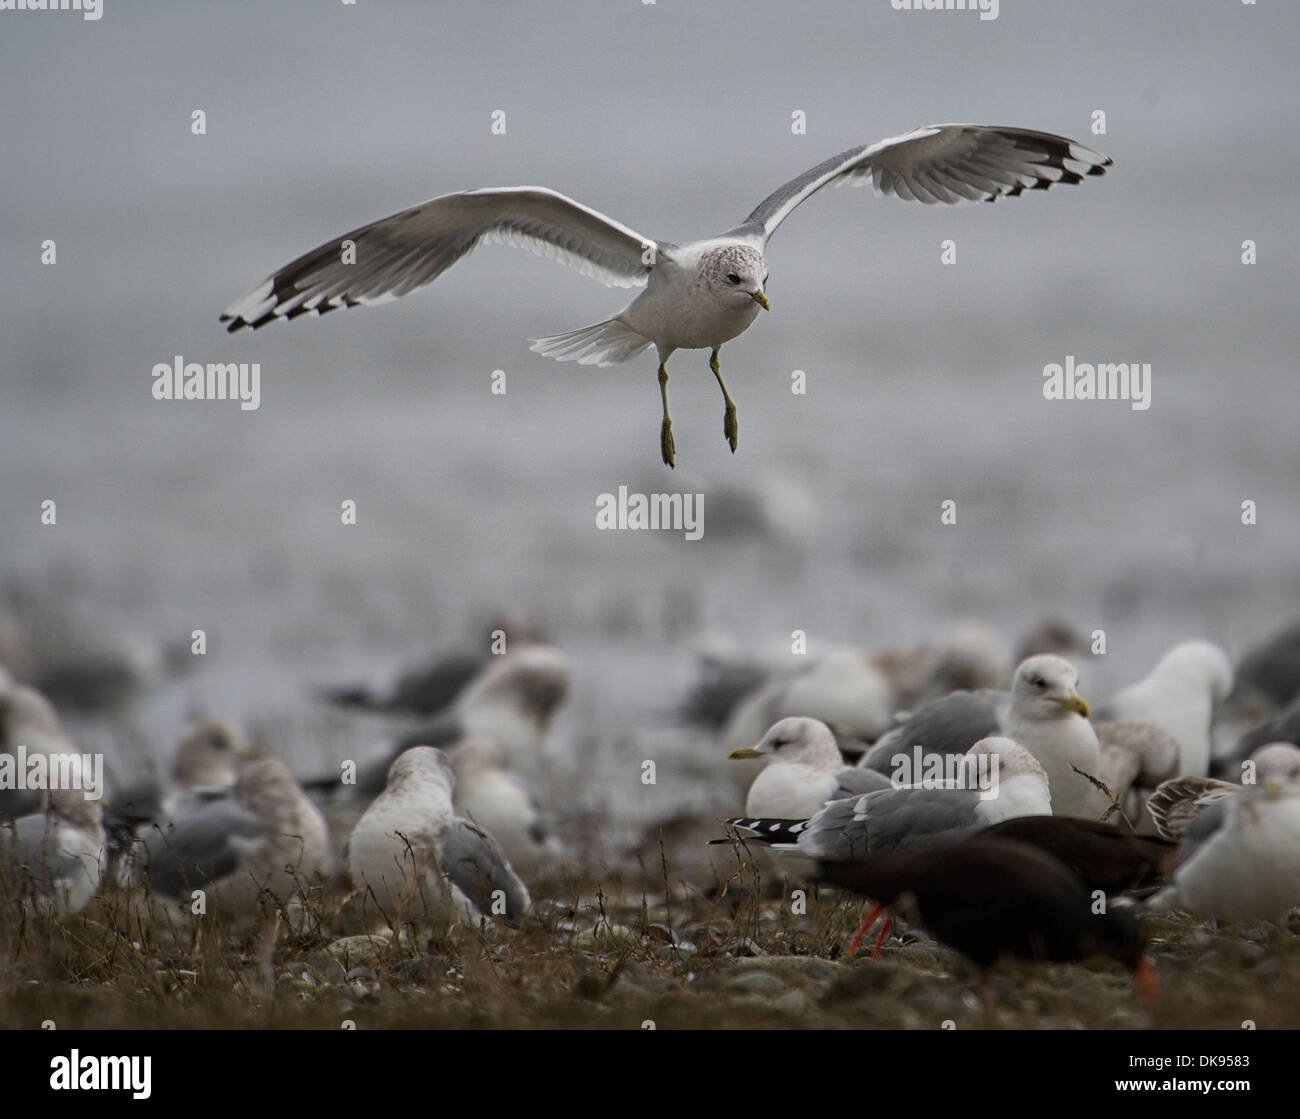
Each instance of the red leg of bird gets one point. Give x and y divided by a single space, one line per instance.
884 932
871 920
1145 972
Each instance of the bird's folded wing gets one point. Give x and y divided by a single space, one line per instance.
947 163
477 865
950 725
1176 803
854 782
200 849
404 251
920 817
834 833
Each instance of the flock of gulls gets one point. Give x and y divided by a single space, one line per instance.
968 796
1022 823
1001 817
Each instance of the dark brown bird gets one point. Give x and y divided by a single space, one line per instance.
997 897
1105 857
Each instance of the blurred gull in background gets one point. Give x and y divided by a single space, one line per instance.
53 859
1180 696
415 862
1240 855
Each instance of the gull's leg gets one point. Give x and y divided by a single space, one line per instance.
666 444
884 932
730 428
266 937
871 920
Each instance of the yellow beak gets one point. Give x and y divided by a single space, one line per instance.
746 753
1076 702
1273 787
761 299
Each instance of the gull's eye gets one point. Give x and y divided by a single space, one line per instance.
1038 682
733 278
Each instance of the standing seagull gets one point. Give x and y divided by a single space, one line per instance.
1043 712
54 858
414 858
698 295
1240 855
260 840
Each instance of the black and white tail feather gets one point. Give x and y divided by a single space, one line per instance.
771 832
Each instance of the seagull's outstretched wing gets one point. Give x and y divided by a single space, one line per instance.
939 163
412 248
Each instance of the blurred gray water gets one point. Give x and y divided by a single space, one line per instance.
924 380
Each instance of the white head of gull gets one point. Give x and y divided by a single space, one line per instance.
1049 718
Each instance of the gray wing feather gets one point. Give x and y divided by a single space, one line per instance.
856 782
951 725
475 862
197 850
833 834
1284 728
888 819
412 248
946 163
917 817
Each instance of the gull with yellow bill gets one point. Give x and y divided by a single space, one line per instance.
697 295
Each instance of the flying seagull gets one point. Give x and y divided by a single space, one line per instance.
697 295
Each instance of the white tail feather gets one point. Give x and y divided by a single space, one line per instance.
604 343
